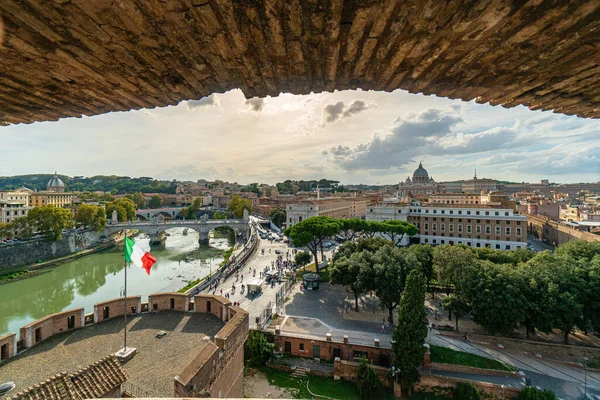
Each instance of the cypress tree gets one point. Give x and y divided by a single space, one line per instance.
411 331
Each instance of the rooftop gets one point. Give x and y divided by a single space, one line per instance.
152 369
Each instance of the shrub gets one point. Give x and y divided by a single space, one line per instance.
532 393
466 391
258 350
369 385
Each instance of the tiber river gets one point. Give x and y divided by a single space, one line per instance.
99 277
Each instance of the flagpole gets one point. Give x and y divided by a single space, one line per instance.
125 292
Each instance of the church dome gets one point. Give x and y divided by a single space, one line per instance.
55 184
420 173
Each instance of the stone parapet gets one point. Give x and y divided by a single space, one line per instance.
44 328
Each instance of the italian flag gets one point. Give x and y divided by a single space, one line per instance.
136 254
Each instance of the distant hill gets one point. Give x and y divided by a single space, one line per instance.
112 183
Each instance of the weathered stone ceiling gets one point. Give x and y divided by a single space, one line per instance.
62 58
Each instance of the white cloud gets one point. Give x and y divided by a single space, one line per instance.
372 137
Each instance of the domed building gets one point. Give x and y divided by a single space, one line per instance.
54 194
55 184
420 184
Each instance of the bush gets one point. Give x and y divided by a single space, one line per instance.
367 382
466 391
532 393
258 350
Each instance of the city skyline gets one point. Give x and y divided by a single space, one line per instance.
351 136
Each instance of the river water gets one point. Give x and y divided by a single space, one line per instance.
100 276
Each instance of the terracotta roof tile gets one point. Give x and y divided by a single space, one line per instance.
93 381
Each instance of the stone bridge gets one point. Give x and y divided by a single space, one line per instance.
148 213
68 58
157 226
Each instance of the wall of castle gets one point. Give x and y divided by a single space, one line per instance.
44 328
26 253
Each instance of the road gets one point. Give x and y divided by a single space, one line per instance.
538 245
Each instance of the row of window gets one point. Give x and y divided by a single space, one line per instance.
459 212
15 213
488 229
487 221
478 244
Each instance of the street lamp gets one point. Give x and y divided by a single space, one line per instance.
585 361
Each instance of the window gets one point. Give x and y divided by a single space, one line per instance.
488 230
476 212
460 227
468 212
442 241
399 211
443 211
477 244
497 213
469 244
301 347
287 347
507 230
360 354
337 352
507 247
478 229
506 213
433 227
497 230
451 227
451 212
442 227
434 241
426 226
487 213
459 211
435 211
370 210
518 222
497 247
426 240
468 228
518 231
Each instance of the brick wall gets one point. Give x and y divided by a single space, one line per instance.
329 349
347 370
557 233
114 308
211 304
8 346
168 301
43 328
434 383
218 370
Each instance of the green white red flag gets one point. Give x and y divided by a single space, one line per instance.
134 253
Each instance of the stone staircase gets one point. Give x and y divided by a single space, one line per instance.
300 372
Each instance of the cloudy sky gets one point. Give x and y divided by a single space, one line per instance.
351 136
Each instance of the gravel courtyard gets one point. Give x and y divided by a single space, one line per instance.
157 361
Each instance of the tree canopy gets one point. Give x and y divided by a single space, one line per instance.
277 215
50 221
125 209
311 232
237 205
155 201
91 216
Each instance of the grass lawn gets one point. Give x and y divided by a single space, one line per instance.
449 356
318 385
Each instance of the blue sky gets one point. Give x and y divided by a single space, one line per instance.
352 136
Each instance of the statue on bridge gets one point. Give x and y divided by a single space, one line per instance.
204 218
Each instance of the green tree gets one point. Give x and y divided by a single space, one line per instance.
237 204
579 250
85 214
125 209
390 271
155 201
347 272
22 227
396 230
350 228
533 393
350 247
139 200
449 261
466 391
99 221
457 305
50 221
257 349
411 331
496 295
197 203
302 258
311 232
277 215
367 382
424 254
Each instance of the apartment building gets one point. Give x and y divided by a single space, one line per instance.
334 207
474 225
